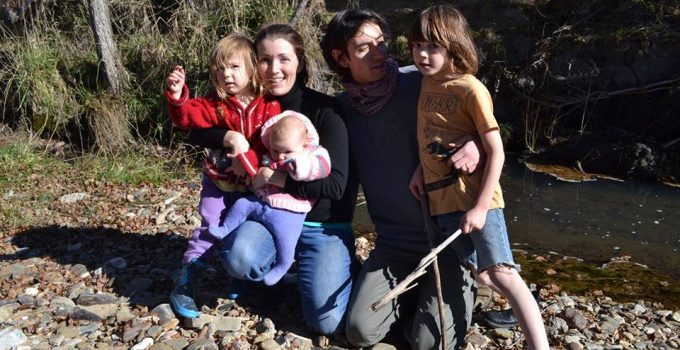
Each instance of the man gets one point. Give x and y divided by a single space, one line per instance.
379 107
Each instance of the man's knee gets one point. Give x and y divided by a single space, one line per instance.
361 334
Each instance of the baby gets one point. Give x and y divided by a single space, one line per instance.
293 146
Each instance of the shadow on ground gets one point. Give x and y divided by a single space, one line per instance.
146 277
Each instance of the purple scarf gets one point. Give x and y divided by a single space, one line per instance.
368 99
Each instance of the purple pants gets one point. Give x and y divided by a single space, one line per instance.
284 225
211 207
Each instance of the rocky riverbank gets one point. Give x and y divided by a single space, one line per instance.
93 266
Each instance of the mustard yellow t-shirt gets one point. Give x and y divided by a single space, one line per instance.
446 111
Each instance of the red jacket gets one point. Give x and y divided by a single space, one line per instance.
209 111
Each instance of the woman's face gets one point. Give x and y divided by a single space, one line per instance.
278 65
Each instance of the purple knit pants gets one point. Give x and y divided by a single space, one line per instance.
283 224
211 207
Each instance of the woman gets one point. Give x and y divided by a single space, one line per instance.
325 250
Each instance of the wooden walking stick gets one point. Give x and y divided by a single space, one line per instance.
431 234
430 258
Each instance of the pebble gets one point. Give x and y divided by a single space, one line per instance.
269 344
73 197
89 299
202 344
143 345
164 313
676 316
11 337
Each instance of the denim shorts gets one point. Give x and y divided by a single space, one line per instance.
491 244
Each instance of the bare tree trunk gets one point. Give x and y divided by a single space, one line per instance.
106 46
109 122
302 5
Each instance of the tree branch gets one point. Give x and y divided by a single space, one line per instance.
419 271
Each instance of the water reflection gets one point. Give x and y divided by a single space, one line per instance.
594 220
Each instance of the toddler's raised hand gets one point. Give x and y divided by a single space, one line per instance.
175 81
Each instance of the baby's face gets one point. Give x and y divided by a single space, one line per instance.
286 148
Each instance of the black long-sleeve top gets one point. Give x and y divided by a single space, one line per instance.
335 194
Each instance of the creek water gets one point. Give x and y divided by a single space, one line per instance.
593 220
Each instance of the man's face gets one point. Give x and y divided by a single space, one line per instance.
366 54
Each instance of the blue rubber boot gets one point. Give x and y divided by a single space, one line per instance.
182 296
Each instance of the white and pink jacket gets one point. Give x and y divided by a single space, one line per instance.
315 164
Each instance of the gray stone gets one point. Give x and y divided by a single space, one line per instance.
154 331
261 337
161 346
73 197
556 326
202 344
266 326
143 345
227 323
164 313
609 327
11 337
32 291
94 312
638 309
124 315
575 346
15 270
575 318
5 313
641 345
62 303
87 299
73 343
676 316
478 339
25 300
68 331
303 343
504 333
132 332
240 344
40 302
56 339
198 322
177 344
89 328
269 344
75 290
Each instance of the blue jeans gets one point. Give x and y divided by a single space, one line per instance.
326 263
491 243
